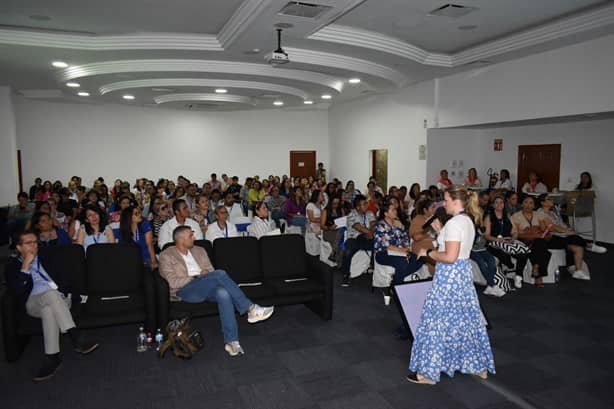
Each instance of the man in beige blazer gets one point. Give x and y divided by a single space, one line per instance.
192 278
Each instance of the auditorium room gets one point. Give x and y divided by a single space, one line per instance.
319 204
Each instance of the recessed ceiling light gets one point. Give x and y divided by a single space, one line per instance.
354 80
278 103
83 94
468 27
221 91
73 84
128 97
326 96
59 64
307 102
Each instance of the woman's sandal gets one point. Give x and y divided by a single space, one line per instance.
413 377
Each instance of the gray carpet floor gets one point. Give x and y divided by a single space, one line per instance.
554 348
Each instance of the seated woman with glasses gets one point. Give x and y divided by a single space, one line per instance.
221 227
260 225
133 229
94 229
47 233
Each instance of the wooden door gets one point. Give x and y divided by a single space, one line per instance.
302 163
379 168
545 160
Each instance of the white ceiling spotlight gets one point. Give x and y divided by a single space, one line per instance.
128 97
278 103
83 94
308 102
59 64
354 80
73 84
221 90
326 96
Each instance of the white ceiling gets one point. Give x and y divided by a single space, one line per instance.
191 47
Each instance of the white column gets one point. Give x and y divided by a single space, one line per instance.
9 183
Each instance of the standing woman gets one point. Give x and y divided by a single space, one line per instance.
133 229
94 229
452 333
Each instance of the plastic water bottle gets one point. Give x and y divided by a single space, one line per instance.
149 341
141 345
159 339
557 275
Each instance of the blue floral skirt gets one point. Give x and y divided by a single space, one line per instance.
451 335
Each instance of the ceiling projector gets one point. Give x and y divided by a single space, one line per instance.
278 56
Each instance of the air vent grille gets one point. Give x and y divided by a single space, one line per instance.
452 11
305 10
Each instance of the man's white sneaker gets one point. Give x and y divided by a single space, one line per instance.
259 313
494 291
597 249
581 275
234 348
518 281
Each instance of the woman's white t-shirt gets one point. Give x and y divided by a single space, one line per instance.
459 228
315 209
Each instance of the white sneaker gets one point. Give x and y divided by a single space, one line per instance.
494 291
234 348
597 249
581 275
518 281
259 313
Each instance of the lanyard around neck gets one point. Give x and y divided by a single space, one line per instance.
225 229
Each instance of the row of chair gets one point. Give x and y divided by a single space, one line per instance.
111 286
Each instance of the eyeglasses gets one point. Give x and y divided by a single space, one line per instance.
164 208
28 243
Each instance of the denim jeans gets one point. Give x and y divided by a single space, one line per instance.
217 287
352 246
402 266
487 264
300 221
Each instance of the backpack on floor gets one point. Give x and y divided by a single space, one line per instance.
181 339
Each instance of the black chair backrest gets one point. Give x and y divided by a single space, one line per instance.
66 265
239 257
114 268
283 256
206 244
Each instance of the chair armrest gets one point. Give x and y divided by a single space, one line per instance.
322 273
150 300
162 296
11 343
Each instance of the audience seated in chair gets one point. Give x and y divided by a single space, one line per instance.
260 225
504 182
423 237
192 278
295 209
565 238
330 232
221 227
391 243
235 212
534 185
360 224
529 229
202 214
443 182
95 229
275 203
472 179
36 291
502 235
47 233
133 229
181 218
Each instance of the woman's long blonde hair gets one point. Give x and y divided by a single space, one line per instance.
469 198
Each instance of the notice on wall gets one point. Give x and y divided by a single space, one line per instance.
498 145
301 164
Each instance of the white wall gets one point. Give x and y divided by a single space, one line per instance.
8 152
113 141
393 122
585 146
571 80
